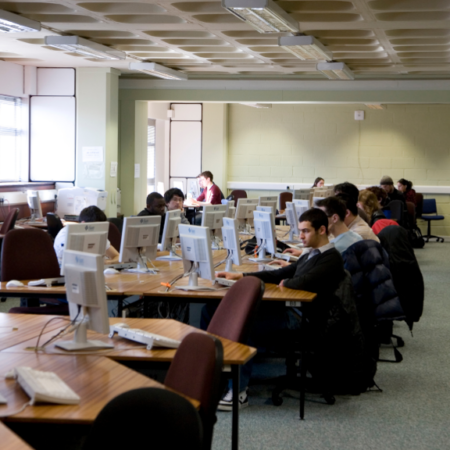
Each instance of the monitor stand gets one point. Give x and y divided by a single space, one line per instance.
171 257
229 265
143 268
193 284
247 230
80 340
291 239
215 243
261 256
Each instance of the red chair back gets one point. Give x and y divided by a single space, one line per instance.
233 317
114 236
419 204
237 194
284 197
9 222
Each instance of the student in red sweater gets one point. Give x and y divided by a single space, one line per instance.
211 194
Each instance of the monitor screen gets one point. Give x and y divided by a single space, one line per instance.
300 207
139 240
292 221
244 213
34 204
231 243
197 254
89 237
86 294
170 234
269 201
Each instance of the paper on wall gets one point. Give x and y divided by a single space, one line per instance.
92 154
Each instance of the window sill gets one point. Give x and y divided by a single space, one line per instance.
23 186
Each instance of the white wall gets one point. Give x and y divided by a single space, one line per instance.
11 79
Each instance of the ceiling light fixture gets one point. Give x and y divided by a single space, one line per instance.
263 15
305 47
13 23
157 70
335 70
84 47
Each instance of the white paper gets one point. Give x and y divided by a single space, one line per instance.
92 154
113 171
137 170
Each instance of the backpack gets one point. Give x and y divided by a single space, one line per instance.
415 237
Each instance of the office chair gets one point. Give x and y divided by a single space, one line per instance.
195 371
233 317
9 222
117 222
429 213
114 236
283 198
54 225
395 207
419 204
28 254
236 195
146 418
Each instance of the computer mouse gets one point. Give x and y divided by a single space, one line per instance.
14 283
110 271
122 325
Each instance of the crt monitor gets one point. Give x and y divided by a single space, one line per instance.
89 237
231 243
140 241
212 217
244 213
170 235
197 255
34 204
86 294
265 235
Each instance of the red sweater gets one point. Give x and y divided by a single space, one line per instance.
211 195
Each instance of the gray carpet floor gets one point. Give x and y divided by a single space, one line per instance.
412 412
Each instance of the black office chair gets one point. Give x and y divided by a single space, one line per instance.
146 418
54 225
429 213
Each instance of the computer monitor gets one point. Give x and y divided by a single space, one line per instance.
212 218
231 210
34 203
265 235
302 194
292 221
244 213
231 243
300 207
89 237
86 294
170 235
193 188
269 201
268 209
197 255
140 241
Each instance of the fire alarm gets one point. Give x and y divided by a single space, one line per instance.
359 115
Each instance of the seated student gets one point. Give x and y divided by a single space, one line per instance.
89 214
318 182
369 202
156 206
353 221
320 269
405 187
387 184
174 199
211 194
336 210
352 191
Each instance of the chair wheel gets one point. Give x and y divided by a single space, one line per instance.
329 398
277 400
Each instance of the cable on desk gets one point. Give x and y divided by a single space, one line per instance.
30 403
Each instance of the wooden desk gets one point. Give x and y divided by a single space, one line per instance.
17 328
10 440
95 379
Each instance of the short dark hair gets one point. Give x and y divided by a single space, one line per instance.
92 214
171 193
206 174
350 202
152 197
347 188
333 205
406 183
316 217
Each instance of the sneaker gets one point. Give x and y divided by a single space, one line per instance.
226 404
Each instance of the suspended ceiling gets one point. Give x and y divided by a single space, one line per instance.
380 39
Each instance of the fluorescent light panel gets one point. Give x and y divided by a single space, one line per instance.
335 71
157 70
13 23
263 15
305 47
84 47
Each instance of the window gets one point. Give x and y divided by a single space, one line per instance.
151 134
10 138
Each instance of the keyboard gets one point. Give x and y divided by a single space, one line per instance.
225 282
287 257
49 282
71 217
121 266
45 387
143 337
